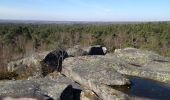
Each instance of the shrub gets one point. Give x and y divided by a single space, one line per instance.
7 75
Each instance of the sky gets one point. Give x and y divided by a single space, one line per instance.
86 10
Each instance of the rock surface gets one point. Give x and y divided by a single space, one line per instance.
9 98
95 73
95 69
32 59
40 88
29 65
141 63
138 57
88 95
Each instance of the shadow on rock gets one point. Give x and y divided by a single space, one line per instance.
76 94
70 94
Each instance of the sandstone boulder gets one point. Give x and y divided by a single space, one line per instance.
95 73
29 66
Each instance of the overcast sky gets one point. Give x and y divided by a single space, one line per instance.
86 10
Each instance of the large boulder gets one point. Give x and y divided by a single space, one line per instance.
35 58
95 73
38 64
53 61
29 66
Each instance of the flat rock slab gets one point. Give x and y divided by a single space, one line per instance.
94 73
37 88
141 63
95 69
139 57
154 72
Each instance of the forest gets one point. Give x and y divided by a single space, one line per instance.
19 40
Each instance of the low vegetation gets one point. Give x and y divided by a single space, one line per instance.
8 75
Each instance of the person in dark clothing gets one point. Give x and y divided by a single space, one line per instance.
53 61
97 50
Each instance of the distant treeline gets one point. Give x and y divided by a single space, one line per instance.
19 39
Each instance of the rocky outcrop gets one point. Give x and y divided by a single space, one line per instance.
138 57
94 71
29 66
141 63
48 88
38 88
38 65
32 59
96 74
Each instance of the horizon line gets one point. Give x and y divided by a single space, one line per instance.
83 20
